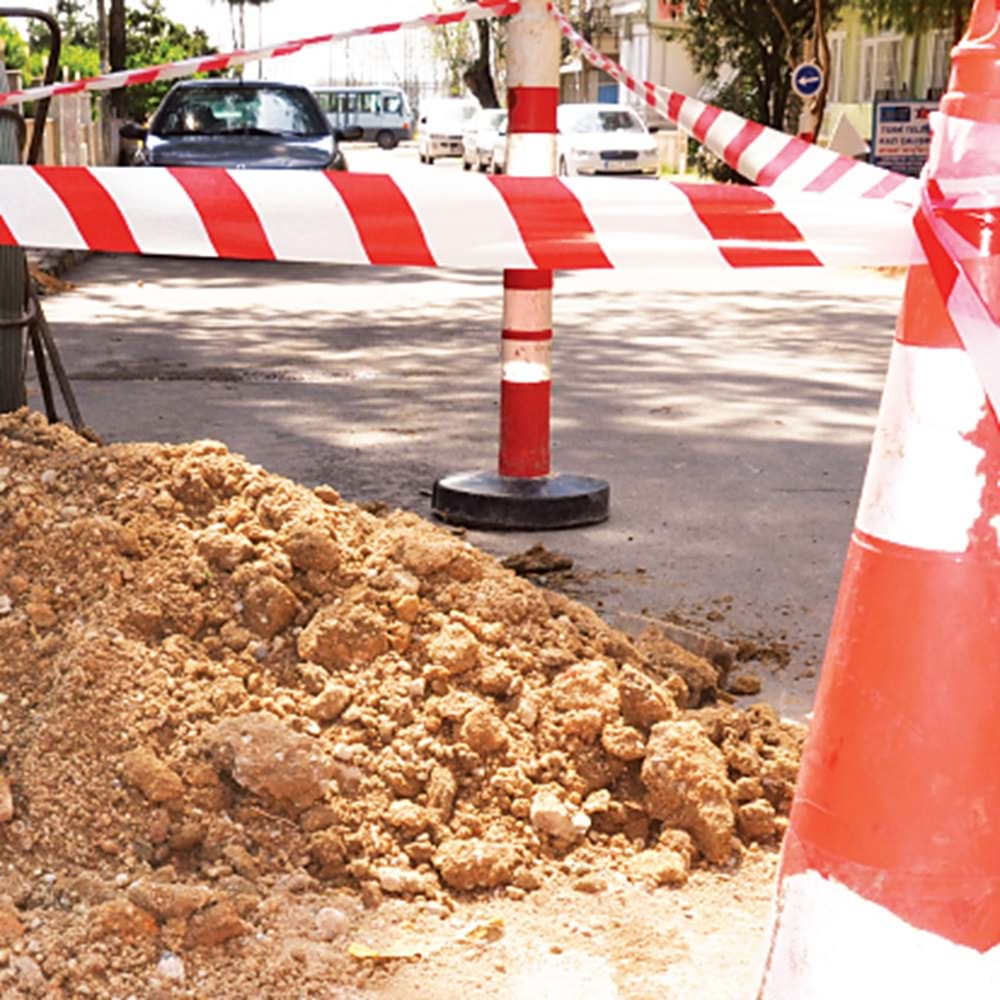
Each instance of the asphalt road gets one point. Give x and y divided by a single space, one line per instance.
732 417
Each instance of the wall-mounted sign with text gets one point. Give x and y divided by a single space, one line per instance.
901 135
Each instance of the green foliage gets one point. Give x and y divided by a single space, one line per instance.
746 38
914 16
13 48
77 24
152 38
77 60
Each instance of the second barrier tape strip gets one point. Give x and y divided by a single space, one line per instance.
227 60
508 222
957 228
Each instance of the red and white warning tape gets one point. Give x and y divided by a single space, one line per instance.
227 60
507 222
763 155
959 233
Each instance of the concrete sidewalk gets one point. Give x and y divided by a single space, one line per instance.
732 419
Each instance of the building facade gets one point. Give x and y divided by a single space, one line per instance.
866 64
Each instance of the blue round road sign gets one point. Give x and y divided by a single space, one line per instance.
807 78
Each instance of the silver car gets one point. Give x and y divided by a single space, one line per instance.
480 138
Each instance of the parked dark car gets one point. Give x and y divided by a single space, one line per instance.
232 123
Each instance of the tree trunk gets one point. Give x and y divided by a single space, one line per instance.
108 144
478 75
769 92
781 92
822 46
117 51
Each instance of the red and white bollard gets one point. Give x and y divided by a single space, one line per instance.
523 494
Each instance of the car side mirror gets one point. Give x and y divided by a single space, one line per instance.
653 129
131 130
349 134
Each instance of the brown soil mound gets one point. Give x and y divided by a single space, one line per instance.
214 682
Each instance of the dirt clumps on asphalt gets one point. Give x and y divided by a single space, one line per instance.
217 686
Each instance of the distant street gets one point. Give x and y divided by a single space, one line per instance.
369 159
732 419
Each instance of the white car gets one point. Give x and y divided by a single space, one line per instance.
480 137
498 155
441 127
604 139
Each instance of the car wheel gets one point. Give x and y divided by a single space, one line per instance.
386 139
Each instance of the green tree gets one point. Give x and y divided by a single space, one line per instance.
917 16
76 23
78 59
152 38
747 49
453 47
13 48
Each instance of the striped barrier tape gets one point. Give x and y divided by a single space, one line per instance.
227 60
958 231
507 222
765 156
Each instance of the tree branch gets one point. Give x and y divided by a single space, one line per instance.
786 31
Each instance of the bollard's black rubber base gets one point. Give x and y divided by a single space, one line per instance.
488 500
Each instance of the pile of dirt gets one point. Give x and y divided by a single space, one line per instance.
216 685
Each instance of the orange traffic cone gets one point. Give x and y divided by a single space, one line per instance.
890 877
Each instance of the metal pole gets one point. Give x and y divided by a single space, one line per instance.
12 280
523 494
526 368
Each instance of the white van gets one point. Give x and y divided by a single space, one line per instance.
382 113
442 125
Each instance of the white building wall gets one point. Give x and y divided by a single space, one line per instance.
648 55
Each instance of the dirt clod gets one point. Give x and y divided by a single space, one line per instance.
537 561
216 685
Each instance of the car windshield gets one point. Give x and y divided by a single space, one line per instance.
450 114
606 121
239 110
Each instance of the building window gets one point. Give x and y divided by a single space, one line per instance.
938 62
881 67
836 86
